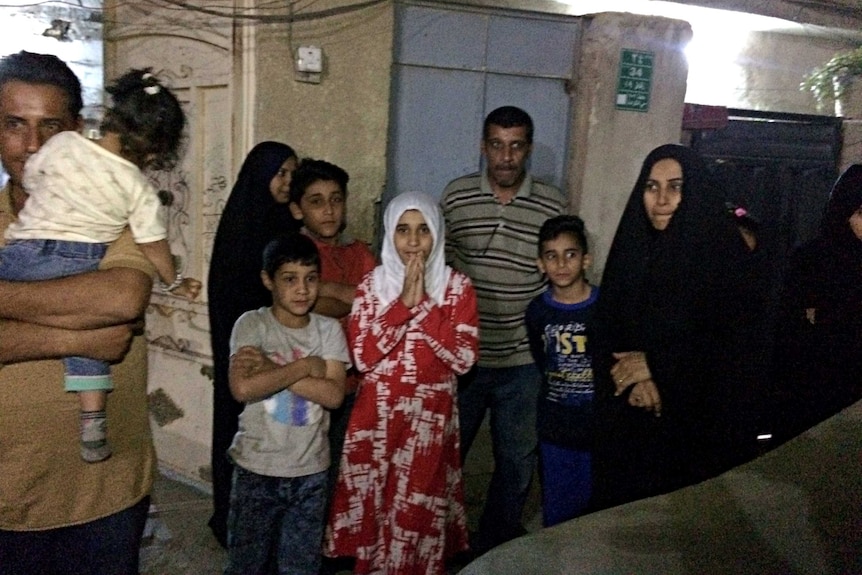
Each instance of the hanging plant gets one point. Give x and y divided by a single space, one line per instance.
829 81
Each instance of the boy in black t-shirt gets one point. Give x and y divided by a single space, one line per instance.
557 323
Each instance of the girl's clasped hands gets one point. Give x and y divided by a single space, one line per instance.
414 281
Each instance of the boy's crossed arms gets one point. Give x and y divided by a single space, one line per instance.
254 376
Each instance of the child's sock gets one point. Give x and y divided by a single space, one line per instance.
94 436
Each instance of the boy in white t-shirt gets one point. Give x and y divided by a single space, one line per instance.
288 366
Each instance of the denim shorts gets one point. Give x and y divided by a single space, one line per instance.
32 260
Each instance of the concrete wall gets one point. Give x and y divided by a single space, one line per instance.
772 66
344 118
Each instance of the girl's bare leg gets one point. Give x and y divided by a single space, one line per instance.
94 426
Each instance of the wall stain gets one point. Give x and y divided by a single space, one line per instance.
205 472
163 408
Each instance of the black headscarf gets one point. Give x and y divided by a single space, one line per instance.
251 218
836 253
828 270
639 250
844 199
684 296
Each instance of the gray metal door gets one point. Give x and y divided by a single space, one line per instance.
451 67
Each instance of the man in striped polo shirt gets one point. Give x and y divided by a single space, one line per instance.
492 226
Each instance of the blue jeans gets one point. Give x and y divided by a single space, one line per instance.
275 524
107 546
566 483
32 260
511 394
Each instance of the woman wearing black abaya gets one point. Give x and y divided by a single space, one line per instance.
256 211
674 360
819 367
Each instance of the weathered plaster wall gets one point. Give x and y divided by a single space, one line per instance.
608 145
773 65
24 26
344 118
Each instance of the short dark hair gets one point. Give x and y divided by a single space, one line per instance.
565 224
292 248
48 69
508 117
148 117
310 171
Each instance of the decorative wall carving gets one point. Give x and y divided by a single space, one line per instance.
192 55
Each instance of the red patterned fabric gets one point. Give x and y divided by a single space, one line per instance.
398 504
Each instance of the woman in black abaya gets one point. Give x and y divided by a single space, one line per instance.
819 351
674 348
256 211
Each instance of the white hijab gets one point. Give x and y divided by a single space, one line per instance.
389 275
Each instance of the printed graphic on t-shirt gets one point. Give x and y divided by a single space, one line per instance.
570 372
286 407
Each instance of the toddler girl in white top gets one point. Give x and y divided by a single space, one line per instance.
82 194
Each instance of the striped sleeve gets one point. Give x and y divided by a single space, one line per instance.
496 246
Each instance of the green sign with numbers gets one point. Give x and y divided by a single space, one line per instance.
635 81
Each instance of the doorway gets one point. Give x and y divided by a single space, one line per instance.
452 66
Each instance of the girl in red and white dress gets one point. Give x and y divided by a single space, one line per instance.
398 504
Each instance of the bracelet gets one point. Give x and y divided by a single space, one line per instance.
178 281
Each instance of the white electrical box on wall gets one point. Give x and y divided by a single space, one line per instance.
309 59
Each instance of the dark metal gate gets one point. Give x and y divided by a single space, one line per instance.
781 167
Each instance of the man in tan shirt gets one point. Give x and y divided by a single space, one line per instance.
58 514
